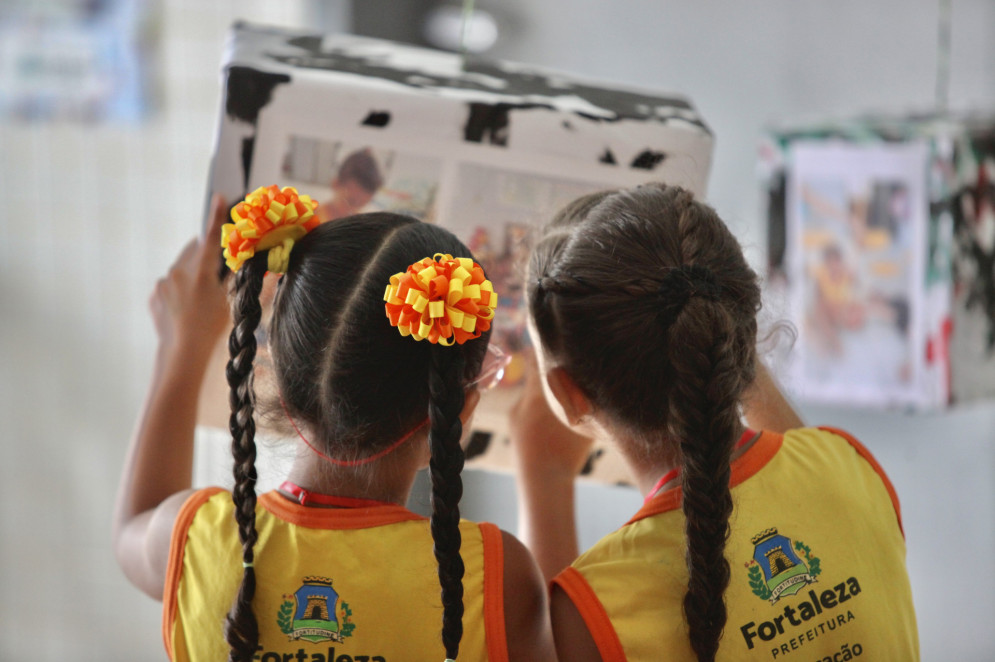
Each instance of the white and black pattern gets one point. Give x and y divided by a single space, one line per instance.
440 96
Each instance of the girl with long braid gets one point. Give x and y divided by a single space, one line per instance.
378 344
755 540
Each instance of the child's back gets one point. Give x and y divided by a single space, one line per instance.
330 566
815 550
357 580
645 312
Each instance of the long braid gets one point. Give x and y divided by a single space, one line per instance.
709 378
704 420
241 627
446 393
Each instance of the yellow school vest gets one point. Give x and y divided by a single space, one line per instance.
332 584
816 553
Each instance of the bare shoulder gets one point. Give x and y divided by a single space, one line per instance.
144 543
526 613
573 640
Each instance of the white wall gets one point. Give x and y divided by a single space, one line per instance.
746 64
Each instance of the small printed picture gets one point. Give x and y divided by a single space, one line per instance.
349 179
494 211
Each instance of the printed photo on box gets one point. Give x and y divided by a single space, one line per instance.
495 209
351 179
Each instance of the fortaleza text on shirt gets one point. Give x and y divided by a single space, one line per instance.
303 656
779 569
800 615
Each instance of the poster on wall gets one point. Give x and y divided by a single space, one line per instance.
880 250
856 222
486 149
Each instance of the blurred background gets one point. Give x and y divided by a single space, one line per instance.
108 110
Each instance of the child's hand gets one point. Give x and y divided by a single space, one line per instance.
189 304
543 444
550 456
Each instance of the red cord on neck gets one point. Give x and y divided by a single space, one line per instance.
308 498
747 435
350 463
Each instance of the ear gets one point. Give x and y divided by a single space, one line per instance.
570 396
469 406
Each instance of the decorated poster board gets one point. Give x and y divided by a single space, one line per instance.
487 149
881 241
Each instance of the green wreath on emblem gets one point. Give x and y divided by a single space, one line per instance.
347 625
757 583
812 561
285 617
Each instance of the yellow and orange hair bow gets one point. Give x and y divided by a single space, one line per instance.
442 299
268 219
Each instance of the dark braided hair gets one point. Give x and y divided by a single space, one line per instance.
241 628
336 359
446 389
673 368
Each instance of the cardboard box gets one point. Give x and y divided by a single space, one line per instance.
487 149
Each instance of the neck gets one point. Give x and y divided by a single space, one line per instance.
388 479
648 464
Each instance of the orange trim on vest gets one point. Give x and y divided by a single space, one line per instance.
494 630
743 467
866 454
174 568
593 613
335 518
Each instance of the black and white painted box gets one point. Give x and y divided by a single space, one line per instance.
485 148
280 85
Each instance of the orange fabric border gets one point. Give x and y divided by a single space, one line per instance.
743 467
174 568
494 630
335 518
593 613
866 454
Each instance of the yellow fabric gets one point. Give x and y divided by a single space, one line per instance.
386 606
834 514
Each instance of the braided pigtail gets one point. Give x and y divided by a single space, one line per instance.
241 628
446 398
711 336
447 302
704 419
